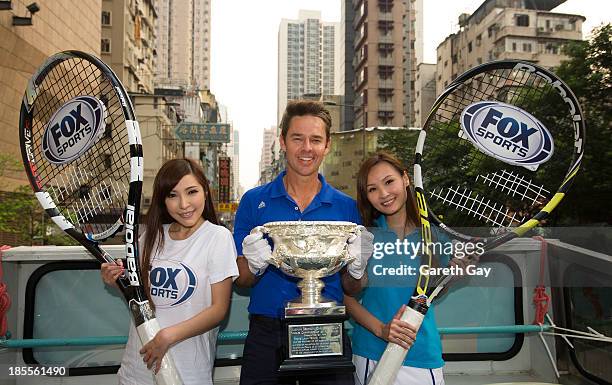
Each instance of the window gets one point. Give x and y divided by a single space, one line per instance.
470 47
385 94
385 49
385 5
385 26
106 18
385 72
513 47
526 47
522 20
105 46
64 277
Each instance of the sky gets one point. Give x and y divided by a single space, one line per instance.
244 46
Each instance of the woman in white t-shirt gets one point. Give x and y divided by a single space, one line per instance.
190 263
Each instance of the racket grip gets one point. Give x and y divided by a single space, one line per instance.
394 355
167 374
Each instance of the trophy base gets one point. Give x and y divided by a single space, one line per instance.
314 342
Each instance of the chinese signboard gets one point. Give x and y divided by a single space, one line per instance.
224 179
203 132
227 207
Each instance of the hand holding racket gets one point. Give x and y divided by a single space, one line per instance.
491 162
82 152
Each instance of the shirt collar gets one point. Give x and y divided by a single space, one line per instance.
381 222
278 188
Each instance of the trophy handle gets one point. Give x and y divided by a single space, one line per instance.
260 229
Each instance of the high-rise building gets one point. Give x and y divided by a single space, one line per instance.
183 48
384 60
309 57
267 149
507 29
347 70
424 92
412 55
128 41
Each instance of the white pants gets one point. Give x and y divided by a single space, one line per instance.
407 375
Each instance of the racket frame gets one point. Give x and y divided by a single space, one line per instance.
130 285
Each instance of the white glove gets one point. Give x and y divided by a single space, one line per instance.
361 247
257 251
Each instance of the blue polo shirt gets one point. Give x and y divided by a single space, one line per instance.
386 293
271 203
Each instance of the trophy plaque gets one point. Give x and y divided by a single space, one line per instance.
313 325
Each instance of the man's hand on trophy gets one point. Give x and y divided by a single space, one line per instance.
360 247
257 251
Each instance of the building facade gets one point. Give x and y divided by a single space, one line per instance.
183 49
424 92
309 57
157 120
507 29
128 42
384 46
23 48
348 150
270 135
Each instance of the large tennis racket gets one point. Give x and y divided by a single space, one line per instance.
497 154
82 152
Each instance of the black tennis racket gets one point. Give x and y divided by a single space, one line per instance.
82 152
497 154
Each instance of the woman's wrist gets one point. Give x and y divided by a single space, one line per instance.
379 331
169 336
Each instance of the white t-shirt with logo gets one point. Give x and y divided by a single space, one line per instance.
181 277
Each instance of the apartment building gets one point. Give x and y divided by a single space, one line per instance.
309 57
183 48
507 29
424 92
385 47
128 41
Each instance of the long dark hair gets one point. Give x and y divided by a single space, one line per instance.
366 210
167 177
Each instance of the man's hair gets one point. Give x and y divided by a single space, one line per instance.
305 108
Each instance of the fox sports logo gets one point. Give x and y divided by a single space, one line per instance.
507 133
172 283
73 129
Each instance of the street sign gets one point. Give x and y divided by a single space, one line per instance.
203 132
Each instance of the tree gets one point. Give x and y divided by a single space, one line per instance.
22 216
588 72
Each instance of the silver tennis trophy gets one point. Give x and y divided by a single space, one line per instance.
313 324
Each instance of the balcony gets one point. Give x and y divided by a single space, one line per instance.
386 60
385 83
388 38
385 16
385 106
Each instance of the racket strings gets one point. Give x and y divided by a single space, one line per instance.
514 184
93 194
474 205
464 180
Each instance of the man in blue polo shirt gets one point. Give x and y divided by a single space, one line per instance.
298 193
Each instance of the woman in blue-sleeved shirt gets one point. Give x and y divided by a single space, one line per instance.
388 207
